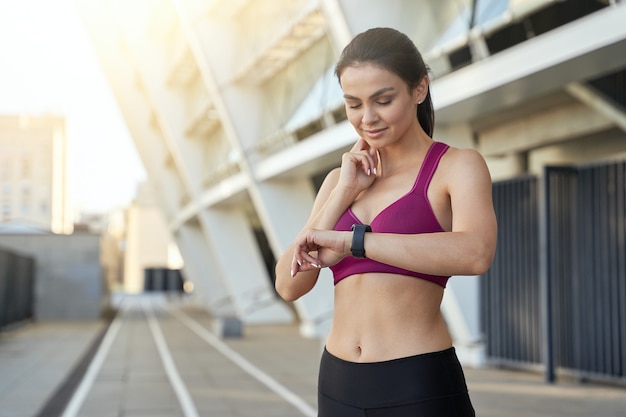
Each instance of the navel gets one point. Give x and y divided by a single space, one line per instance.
358 351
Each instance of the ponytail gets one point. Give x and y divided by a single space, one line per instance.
426 114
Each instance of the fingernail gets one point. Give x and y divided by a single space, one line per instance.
299 263
292 274
316 265
375 171
369 172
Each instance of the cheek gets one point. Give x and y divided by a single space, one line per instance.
353 117
400 116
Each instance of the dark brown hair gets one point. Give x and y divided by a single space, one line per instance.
395 52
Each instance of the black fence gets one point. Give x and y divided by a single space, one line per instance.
588 268
163 279
510 290
17 274
556 294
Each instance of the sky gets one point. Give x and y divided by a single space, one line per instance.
47 65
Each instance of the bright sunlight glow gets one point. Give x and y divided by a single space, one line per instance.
48 66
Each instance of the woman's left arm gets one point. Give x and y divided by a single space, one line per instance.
467 249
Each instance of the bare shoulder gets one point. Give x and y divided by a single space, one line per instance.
459 162
464 156
464 170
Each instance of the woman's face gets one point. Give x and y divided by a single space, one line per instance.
378 104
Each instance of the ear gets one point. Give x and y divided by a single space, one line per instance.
421 90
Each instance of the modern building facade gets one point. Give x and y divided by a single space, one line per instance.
33 172
237 116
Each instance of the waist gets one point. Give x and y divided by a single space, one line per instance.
380 317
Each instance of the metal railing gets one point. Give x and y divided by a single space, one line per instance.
566 312
587 258
16 287
510 289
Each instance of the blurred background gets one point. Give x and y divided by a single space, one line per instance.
177 145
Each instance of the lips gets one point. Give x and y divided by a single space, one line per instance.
374 133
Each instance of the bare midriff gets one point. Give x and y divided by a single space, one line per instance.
379 317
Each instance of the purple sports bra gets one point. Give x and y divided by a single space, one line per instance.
410 214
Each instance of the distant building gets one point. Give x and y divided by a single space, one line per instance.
33 172
148 243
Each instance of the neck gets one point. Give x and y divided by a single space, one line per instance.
401 155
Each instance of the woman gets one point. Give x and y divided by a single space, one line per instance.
400 216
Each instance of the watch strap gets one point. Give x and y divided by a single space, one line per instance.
358 239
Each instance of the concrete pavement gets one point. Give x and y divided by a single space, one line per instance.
160 359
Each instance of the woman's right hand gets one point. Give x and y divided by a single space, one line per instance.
339 189
358 167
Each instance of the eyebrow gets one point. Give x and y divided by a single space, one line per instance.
374 95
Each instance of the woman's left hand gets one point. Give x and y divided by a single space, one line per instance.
331 247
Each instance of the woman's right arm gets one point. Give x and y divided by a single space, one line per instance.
327 209
339 189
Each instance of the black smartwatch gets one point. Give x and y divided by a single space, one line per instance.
358 239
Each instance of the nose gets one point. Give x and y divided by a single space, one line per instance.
369 115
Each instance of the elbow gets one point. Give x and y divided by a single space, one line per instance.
282 284
290 298
285 293
480 267
482 260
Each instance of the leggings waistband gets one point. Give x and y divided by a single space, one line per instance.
397 381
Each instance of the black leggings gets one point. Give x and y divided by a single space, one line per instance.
428 385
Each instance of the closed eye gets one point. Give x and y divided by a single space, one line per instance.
380 103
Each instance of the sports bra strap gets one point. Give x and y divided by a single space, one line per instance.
429 166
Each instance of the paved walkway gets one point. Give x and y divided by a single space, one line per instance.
159 359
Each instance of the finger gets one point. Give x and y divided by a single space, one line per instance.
360 145
372 156
359 159
308 259
375 159
368 163
295 267
303 256
302 260
306 267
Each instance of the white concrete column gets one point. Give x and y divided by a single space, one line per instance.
242 268
287 206
170 114
200 268
337 26
281 210
461 310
